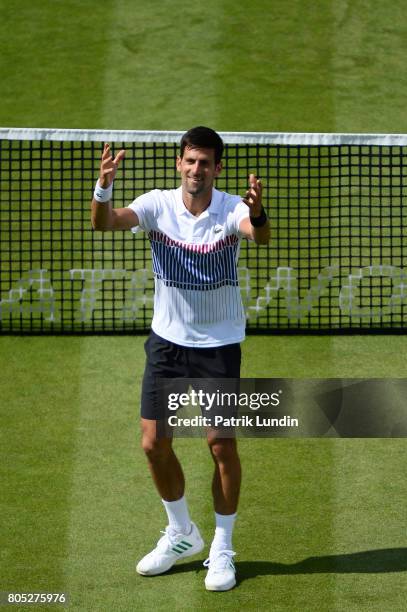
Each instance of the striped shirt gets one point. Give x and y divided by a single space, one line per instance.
197 299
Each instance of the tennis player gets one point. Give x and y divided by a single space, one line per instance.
198 324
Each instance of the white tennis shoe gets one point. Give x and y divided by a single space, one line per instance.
221 574
170 548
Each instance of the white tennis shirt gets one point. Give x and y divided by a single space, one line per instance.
197 300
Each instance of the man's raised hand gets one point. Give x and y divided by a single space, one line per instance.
109 166
253 196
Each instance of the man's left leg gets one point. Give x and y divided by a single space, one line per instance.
225 490
210 365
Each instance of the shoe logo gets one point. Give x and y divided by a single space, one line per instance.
218 228
181 547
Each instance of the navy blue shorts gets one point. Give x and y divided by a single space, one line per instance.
166 360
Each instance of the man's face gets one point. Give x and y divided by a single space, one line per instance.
198 170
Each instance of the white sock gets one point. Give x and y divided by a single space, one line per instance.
223 533
178 515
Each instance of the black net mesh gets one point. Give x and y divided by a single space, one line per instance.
335 261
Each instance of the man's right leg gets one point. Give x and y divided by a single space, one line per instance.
181 537
162 461
164 362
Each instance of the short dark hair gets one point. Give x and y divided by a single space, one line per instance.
203 138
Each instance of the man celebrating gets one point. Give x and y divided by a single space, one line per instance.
198 324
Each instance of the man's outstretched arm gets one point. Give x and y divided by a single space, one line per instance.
104 216
257 226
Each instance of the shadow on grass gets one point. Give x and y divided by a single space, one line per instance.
366 562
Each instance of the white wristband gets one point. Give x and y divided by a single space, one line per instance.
102 195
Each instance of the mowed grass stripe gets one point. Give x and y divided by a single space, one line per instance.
161 72
371 547
274 71
367 62
285 517
39 384
53 58
115 513
100 526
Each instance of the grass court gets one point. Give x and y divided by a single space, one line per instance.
321 521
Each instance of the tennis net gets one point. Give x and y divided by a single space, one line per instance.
335 262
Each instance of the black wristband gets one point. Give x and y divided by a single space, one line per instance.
260 220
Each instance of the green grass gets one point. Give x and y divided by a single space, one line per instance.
321 523
325 66
79 507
